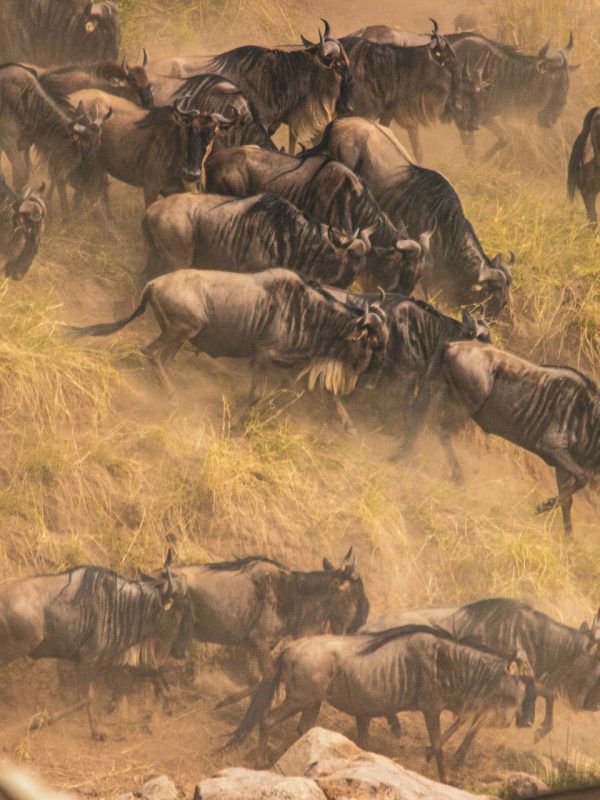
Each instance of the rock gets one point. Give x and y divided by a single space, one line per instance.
316 745
161 788
523 785
249 784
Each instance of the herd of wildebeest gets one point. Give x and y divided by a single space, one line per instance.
309 261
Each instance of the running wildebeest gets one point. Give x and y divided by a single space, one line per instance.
271 317
211 231
331 193
98 620
519 85
161 150
410 85
21 226
59 31
211 93
412 668
584 164
302 88
423 200
255 602
565 660
130 83
29 116
552 411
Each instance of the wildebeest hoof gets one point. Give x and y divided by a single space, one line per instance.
350 429
547 505
540 734
98 736
428 754
38 722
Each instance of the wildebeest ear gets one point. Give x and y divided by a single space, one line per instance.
348 562
327 565
307 44
585 628
469 322
512 668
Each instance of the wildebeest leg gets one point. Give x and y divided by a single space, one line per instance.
570 478
415 143
160 353
468 142
286 710
343 415
292 143
456 471
97 734
259 379
362 731
501 139
61 188
395 726
460 755
548 721
308 718
589 195
432 721
448 733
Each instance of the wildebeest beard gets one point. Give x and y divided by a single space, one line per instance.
320 602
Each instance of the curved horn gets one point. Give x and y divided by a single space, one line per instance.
145 61
425 241
223 120
409 246
327 31
366 234
321 38
125 64
570 43
436 27
168 593
108 115
168 559
543 53
179 103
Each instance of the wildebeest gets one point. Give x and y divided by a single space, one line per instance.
271 317
302 88
410 85
211 231
47 32
98 620
161 150
255 602
584 164
565 660
331 193
131 83
212 93
412 668
519 85
552 411
64 136
21 226
424 200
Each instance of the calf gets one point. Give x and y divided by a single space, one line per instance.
272 317
21 227
248 234
551 411
412 668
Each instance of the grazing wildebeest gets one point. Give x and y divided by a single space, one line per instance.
331 193
552 411
64 136
422 199
271 317
47 32
211 231
21 227
161 150
131 83
411 668
301 88
255 602
98 620
213 93
565 660
410 85
520 85
584 164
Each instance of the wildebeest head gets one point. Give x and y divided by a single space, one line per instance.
86 132
556 69
515 695
27 221
474 86
350 250
526 712
200 131
442 54
493 286
178 626
96 16
582 685
329 51
138 80
397 268
348 604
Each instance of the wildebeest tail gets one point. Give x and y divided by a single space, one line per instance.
106 328
157 264
260 705
578 154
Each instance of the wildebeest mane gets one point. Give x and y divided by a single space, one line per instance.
242 564
589 382
161 115
26 67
